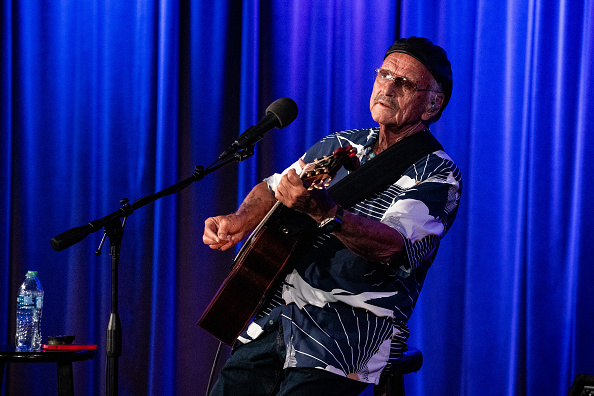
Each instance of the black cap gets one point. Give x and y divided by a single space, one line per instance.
433 57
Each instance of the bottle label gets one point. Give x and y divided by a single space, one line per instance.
39 302
26 300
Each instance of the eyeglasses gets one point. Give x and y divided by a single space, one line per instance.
403 85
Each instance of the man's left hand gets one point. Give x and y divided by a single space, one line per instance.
295 194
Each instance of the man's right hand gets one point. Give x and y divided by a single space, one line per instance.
223 232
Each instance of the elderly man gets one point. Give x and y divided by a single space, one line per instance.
339 317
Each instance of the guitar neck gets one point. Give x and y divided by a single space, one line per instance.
275 207
303 174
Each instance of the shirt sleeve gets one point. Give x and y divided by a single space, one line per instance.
429 194
274 179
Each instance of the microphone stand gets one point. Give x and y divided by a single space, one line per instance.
114 230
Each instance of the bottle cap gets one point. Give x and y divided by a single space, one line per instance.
31 274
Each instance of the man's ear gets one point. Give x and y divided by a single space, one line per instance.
433 107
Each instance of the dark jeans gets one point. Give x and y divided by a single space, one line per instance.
256 368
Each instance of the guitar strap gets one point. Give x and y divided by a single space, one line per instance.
382 171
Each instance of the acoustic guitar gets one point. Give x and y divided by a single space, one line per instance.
266 255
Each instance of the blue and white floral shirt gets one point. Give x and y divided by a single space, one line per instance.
347 315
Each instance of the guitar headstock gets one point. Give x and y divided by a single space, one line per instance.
320 172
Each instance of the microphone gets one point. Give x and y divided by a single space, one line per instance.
279 114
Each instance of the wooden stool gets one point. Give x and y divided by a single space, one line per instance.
392 382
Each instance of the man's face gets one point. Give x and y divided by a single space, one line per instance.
389 106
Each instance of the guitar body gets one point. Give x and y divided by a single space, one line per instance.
259 265
266 257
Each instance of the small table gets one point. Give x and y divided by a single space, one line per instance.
63 359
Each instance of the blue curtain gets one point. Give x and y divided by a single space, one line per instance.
109 100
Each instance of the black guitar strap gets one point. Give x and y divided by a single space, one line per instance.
382 171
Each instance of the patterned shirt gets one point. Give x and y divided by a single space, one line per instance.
347 315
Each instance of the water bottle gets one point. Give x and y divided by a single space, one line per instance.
29 305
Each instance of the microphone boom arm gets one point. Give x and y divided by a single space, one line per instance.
77 234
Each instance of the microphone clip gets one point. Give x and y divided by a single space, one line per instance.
237 146
244 153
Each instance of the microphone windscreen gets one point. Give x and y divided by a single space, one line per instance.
285 110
